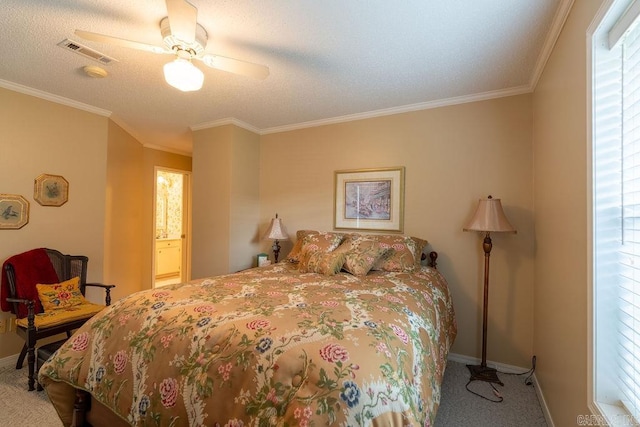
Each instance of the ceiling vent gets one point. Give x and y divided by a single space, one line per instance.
86 52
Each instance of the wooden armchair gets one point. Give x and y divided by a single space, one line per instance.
59 308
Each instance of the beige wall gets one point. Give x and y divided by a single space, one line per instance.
225 200
453 156
152 159
124 221
109 213
38 137
211 200
560 152
245 200
129 233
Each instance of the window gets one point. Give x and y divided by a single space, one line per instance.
616 212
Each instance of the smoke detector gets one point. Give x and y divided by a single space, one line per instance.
95 71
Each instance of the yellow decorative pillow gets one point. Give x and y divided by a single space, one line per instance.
61 295
322 241
327 241
316 261
48 319
296 251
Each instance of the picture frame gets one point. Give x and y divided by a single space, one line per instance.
51 190
369 199
263 259
14 211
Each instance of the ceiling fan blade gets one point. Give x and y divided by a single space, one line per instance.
101 38
183 17
236 66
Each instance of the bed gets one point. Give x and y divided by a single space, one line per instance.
349 330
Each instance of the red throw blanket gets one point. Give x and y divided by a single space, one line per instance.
31 267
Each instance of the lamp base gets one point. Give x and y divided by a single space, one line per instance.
276 250
484 373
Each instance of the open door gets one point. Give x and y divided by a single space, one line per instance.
171 227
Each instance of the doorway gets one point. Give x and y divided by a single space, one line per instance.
171 227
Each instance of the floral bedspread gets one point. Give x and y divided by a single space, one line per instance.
268 346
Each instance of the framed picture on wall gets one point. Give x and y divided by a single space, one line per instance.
14 211
369 199
51 190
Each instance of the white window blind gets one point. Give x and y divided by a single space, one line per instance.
616 184
629 282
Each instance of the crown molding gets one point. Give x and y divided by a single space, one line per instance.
168 149
286 128
53 98
562 13
519 90
124 126
85 107
227 121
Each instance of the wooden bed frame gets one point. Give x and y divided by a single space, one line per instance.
83 403
433 257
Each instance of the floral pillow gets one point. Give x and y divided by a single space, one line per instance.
315 261
361 254
405 254
61 295
314 237
296 251
323 241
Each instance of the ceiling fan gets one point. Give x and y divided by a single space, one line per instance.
186 39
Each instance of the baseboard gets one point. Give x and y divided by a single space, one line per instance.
543 402
502 367
511 369
9 361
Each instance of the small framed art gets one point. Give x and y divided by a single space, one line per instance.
369 199
51 190
263 259
14 211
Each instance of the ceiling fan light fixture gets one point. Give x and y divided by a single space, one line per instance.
183 75
172 42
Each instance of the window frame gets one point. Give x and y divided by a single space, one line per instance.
607 27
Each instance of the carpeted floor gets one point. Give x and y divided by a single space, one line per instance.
20 407
458 407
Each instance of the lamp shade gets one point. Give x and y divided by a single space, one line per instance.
183 75
490 217
276 230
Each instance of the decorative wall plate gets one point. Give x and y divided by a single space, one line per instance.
51 190
14 211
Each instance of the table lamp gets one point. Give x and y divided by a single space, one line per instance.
276 233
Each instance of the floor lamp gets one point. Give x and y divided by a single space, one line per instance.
489 217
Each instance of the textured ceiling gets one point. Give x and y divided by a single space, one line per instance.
329 60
